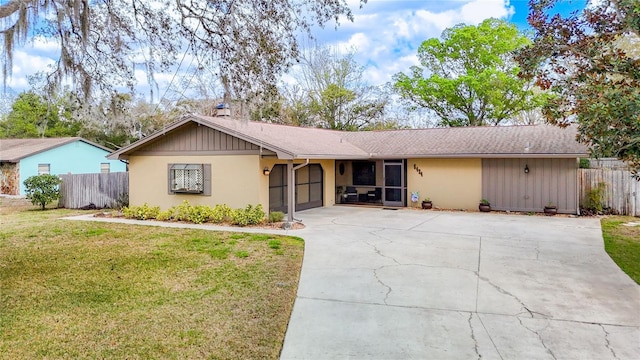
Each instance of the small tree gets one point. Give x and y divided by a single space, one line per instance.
43 189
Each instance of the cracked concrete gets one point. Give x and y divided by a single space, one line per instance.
407 284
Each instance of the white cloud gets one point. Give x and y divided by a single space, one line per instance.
24 65
387 34
477 11
358 41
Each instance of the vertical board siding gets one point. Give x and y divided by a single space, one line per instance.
507 187
199 138
621 192
78 190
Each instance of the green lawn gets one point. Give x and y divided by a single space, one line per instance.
622 243
96 290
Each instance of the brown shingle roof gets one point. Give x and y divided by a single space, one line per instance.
485 141
12 150
293 140
299 142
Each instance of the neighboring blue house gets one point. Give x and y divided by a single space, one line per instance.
22 158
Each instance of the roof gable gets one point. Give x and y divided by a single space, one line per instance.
193 137
13 150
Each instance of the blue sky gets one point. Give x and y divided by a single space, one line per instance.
385 34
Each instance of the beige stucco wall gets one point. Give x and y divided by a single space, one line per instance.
235 181
328 169
449 183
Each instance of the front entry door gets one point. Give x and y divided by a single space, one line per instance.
393 192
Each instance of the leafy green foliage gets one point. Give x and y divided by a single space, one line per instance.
590 62
198 214
276 216
585 163
595 197
221 213
250 215
31 116
144 212
473 79
42 189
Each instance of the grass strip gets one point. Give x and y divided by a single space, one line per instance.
622 243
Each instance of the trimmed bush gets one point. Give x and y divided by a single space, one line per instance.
221 213
251 215
200 214
276 216
143 212
166 215
182 212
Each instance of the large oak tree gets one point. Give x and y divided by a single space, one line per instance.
103 42
590 62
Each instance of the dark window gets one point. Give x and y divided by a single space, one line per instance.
364 173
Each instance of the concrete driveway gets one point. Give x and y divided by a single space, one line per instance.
405 284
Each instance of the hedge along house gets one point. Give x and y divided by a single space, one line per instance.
23 158
216 160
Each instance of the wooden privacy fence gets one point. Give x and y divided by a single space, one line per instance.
621 192
103 190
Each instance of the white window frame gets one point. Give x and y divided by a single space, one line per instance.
105 168
44 169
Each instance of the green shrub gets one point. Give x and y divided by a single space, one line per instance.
276 216
221 213
200 214
166 215
250 215
143 212
595 197
182 212
585 163
42 189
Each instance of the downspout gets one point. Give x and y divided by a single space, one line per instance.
578 187
291 186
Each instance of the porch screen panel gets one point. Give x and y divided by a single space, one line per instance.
278 188
302 193
309 185
315 183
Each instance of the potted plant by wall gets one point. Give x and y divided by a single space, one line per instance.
550 209
427 204
484 205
